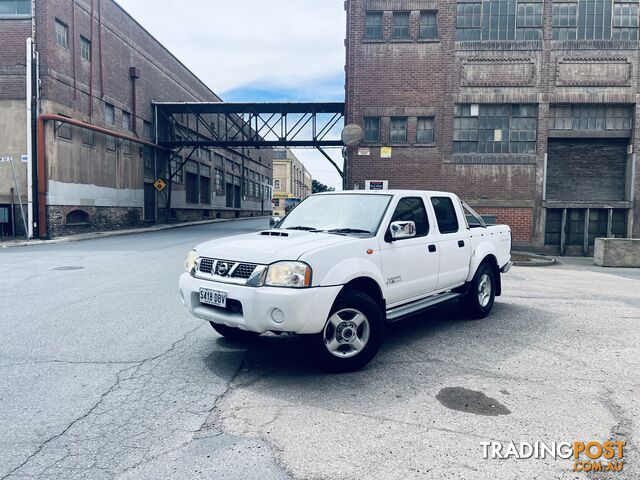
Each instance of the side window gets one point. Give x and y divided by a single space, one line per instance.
445 214
412 209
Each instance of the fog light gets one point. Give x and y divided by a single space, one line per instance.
277 315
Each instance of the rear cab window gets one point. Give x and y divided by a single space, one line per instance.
445 214
412 209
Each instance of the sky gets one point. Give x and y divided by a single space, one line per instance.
257 51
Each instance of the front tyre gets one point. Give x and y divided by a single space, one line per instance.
352 334
234 334
481 295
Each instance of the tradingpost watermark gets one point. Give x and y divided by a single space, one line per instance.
592 456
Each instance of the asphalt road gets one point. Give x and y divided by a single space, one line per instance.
104 375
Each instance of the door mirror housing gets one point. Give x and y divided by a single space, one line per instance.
400 230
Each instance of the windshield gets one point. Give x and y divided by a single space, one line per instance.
340 213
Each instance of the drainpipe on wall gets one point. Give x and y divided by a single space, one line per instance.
29 104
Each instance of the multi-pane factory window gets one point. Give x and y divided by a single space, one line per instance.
595 20
428 25
401 25
564 20
498 20
424 130
109 113
177 170
64 130
591 117
373 26
219 180
192 183
372 129
85 49
625 21
62 34
147 156
88 137
126 120
398 130
495 128
9 8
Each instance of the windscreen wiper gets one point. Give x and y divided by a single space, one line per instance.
302 227
347 230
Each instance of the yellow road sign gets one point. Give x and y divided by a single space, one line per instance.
160 185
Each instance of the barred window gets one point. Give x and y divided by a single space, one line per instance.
373 25
495 128
398 131
591 117
401 25
372 129
498 20
424 130
428 25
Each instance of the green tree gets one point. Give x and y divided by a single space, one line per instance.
317 187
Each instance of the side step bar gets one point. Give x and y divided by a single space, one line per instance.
397 313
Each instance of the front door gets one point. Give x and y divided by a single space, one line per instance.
229 191
410 265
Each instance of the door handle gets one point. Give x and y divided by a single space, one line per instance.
461 243
432 248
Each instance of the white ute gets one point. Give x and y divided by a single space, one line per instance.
341 265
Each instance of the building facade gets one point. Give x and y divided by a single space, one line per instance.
93 63
526 109
291 180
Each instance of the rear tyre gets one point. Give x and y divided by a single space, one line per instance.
479 299
234 334
352 334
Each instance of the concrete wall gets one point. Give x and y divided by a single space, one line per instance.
617 252
13 143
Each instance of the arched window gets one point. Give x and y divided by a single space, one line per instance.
276 184
78 217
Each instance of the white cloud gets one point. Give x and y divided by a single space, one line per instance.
294 46
230 44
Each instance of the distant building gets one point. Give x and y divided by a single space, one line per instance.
291 181
526 109
97 65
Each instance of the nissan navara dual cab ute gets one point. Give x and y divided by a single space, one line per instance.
340 266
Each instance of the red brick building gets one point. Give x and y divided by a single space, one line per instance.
94 63
526 109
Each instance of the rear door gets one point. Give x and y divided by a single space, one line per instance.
453 242
410 269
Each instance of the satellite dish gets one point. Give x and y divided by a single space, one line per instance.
352 135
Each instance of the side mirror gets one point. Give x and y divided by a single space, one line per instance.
273 221
400 230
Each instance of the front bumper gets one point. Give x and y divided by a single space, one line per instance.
305 310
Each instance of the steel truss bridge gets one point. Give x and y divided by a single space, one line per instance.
191 125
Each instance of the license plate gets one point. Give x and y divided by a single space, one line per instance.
213 297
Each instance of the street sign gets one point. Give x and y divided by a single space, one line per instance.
386 152
160 185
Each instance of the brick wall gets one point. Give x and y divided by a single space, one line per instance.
427 78
519 219
13 58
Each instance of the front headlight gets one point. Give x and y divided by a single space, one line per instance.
190 264
288 274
